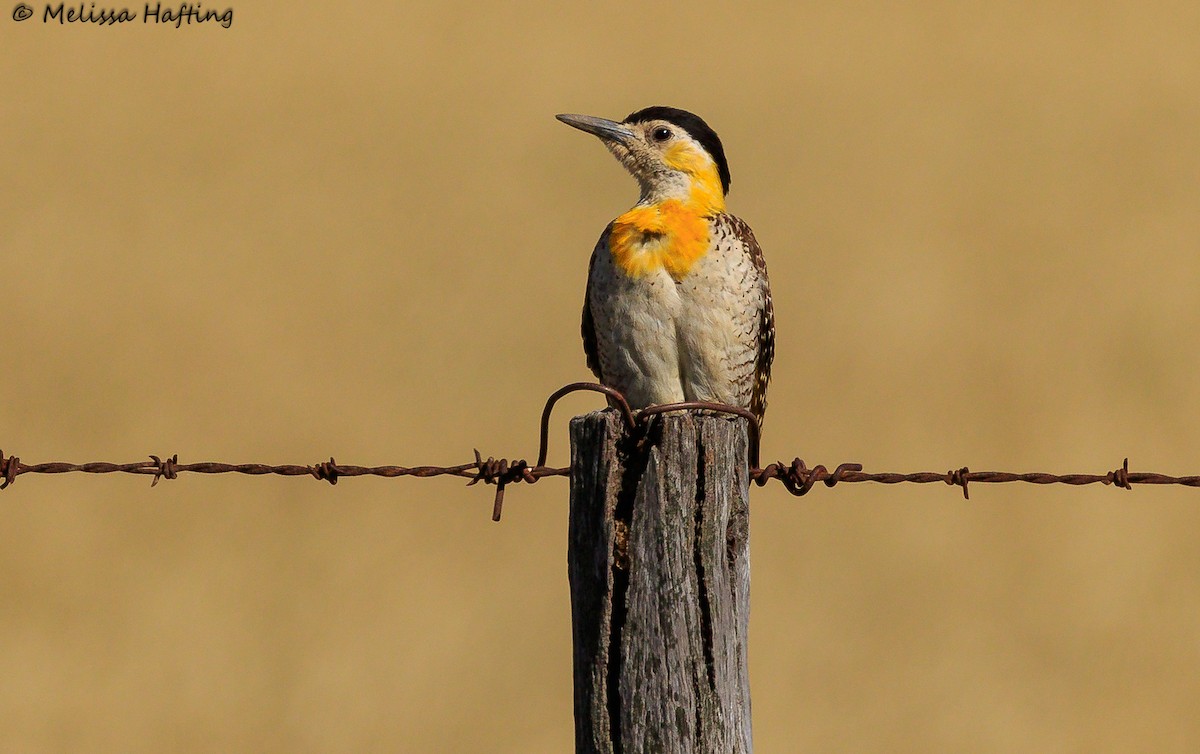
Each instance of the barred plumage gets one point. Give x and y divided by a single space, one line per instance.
709 336
678 303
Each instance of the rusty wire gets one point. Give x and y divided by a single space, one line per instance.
500 472
797 477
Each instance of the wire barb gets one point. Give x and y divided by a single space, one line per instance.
1120 477
9 468
799 479
326 470
165 469
959 478
501 473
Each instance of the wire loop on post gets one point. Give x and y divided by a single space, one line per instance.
614 396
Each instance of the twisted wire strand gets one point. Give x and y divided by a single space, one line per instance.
796 476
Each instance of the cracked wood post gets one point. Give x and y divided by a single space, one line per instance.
658 560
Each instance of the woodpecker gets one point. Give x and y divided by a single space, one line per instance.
678 306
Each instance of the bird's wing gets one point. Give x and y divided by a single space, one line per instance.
588 325
766 319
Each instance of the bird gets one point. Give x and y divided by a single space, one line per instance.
678 304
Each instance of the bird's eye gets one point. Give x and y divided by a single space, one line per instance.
662 133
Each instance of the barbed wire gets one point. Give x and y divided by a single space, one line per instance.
499 472
797 477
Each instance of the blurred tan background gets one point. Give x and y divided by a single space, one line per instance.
358 230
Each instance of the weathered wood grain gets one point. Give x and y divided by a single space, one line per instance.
658 561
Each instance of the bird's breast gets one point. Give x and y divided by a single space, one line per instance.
666 236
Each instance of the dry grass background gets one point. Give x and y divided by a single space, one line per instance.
358 230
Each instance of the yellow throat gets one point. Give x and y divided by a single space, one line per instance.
671 234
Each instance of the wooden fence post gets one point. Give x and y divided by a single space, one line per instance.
658 560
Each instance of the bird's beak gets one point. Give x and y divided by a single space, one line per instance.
606 129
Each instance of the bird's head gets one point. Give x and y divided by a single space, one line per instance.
672 153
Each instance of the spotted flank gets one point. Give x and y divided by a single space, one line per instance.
766 319
678 304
